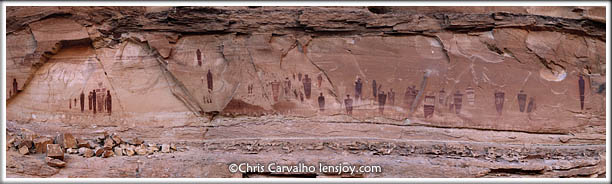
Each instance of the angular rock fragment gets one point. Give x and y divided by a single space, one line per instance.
98 151
109 144
55 151
25 143
55 162
66 140
118 151
172 146
136 141
140 151
165 148
116 138
129 151
24 150
108 153
40 144
82 143
88 153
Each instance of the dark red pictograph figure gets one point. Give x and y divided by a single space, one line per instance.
319 80
299 76
82 100
109 102
441 96
90 98
321 100
301 96
457 99
410 95
382 99
358 87
287 86
70 104
94 101
348 103
428 106
499 102
307 86
532 105
581 90
209 80
374 92
295 93
75 103
522 100
275 90
199 56
15 86
391 97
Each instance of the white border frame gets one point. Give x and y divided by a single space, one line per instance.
298 180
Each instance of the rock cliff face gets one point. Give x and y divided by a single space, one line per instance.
402 82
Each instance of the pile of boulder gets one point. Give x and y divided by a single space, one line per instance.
107 145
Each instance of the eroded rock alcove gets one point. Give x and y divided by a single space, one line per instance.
478 92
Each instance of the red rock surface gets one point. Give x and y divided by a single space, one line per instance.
502 87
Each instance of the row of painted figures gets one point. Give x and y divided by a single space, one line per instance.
98 101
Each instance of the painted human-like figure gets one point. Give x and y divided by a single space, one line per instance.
428 106
275 90
319 80
382 99
391 97
199 56
94 101
469 95
358 87
532 105
90 98
321 100
410 95
69 103
457 100
499 102
300 76
82 100
348 103
287 86
109 102
441 96
209 80
374 92
581 90
522 100
307 86
15 86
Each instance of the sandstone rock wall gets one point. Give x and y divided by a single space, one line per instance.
156 63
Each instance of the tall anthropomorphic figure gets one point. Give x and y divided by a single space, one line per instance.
321 102
94 101
374 92
348 103
109 102
82 100
209 80
199 56
15 89
307 86
358 87
499 102
581 90
522 100
90 98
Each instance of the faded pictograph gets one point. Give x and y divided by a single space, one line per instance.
457 100
209 80
442 96
199 57
348 103
307 86
469 95
532 105
321 101
581 90
391 97
410 95
499 101
319 80
275 89
358 87
374 92
428 106
522 100
382 99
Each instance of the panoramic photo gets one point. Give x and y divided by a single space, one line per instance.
305 92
